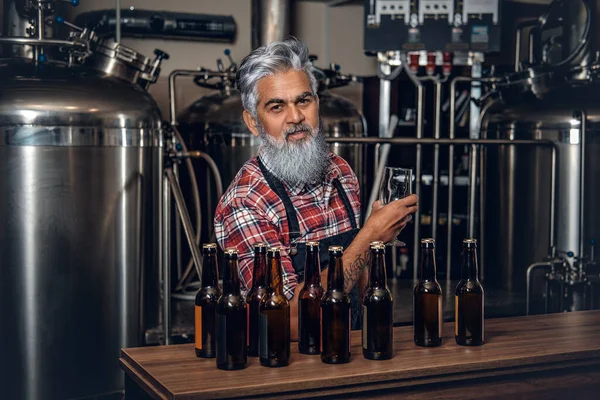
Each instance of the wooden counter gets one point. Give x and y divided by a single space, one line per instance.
550 355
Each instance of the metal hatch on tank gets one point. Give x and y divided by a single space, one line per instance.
214 124
80 165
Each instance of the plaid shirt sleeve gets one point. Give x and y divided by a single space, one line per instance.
241 225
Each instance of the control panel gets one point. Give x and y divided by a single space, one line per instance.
432 25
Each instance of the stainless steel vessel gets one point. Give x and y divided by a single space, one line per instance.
80 177
553 99
519 182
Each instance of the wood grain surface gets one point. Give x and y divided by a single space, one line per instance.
521 345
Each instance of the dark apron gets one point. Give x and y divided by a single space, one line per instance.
298 250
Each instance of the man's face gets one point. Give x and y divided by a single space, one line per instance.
293 143
287 109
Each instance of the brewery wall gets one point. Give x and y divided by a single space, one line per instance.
334 34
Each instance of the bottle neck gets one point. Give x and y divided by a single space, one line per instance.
275 278
335 275
312 271
469 266
428 267
377 273
231 279
210 273
259 275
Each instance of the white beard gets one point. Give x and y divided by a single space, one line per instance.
304 161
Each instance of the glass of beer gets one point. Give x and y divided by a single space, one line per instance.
396 184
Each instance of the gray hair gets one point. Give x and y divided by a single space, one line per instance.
270 59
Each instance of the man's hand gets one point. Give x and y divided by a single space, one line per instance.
386 221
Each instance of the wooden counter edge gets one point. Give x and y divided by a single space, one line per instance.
156 392
355 385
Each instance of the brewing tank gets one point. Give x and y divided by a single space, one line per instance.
518 181
79 165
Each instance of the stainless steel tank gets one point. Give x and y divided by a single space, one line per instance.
518 182
80 166
552 99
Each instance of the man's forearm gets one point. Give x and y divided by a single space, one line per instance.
356 258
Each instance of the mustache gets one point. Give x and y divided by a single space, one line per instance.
297 128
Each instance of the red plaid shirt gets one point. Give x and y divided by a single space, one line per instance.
250 212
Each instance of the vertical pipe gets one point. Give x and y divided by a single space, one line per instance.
518 49
553 205
39 50
166 221
271 21
450 215
385 95
472 189
420 112
482 188
436 160
118 21
582 117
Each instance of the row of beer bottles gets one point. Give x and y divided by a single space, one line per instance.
231 329
225 322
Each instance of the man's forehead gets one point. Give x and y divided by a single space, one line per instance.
286 85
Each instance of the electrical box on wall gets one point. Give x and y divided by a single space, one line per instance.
432 25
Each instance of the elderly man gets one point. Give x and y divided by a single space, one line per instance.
297 191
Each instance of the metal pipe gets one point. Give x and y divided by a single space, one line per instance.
442 141
420 112
582 118
271 21
219 187
381 162
420 115
385 88
531 46
472 192
552 205
38 50
530 269
482 188
42 42
436 160
118 21
166 258
520 27
450 214
188 228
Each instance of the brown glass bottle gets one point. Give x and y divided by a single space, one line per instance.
274 317
255 295
206 304
232 350
468 304
427 300
378 310
309 303
335 313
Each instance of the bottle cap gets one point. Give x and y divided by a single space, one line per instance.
336 248
312 244
470 243
260 247
209 246
378 245
231 251
274 249
428 243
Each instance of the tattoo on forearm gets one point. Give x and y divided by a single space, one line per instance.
353 271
